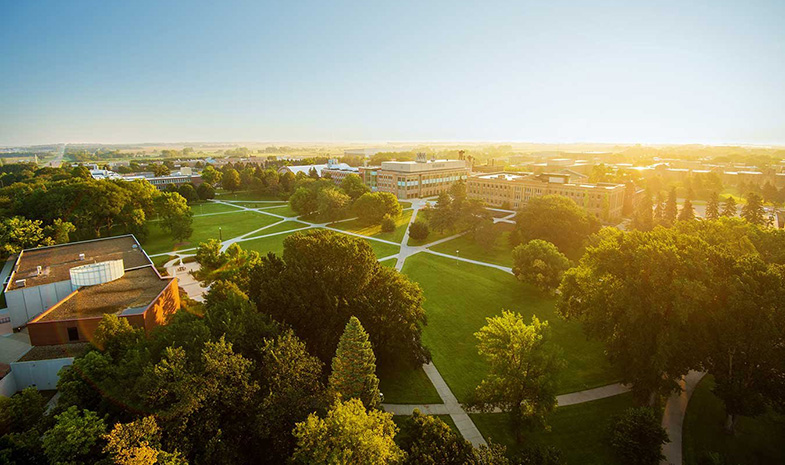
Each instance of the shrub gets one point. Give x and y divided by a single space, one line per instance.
419 231
388 224
637 437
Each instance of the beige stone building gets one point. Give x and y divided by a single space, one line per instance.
513 190
415 179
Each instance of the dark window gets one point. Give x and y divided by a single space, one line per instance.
73 334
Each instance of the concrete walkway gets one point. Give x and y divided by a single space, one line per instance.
673 418
190 285
453 408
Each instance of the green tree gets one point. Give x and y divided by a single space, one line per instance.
138 443
161 170
713 207
176 216
304 201
76 437
114 335
371 207
17 233
556 219
210 175
523 369
419 230
208 254
769 192
353 373
659 210
625 292
349 434
729 209
671 209
354 186
643 219
22 411
687 213
753 210
332 203
540 264
230 180
188 191
637 437
429 441
388 224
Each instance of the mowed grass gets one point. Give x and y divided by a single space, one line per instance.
579 431
283 210
434 236
203 208
406 385
243 195
499 254
206 227
275 244
358 227
459 297
758 440
280 227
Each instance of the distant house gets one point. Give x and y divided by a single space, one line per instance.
336 171
62 292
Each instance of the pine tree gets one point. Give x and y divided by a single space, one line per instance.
671 209
729 208
687 212
642 221
753 211
713 207
659 209
354 367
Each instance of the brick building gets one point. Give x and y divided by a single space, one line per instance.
62 292
415 179
512 190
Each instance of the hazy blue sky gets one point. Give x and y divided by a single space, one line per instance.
543 71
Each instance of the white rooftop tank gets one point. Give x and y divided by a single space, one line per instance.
97 273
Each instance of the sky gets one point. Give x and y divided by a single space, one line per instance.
538 71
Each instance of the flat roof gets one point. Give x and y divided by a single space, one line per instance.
409 166
56 261
136 289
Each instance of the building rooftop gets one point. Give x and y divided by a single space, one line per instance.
561 179
56 261
415 166
131 294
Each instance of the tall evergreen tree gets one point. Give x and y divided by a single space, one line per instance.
643 219
753 211
659 209
671 209
729 208
713 207
354 367
687 213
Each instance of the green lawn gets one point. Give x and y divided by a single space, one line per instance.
406 385
758 440
283 210
390 262
206 227
275 244
500 254
202 208
285 226
242 195
458 298
579 431
356 226
433 236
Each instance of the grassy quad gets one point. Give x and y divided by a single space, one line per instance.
275 244
206 227
758 440
221 194
499 254
579 431
458 298
206 208
434 235
406 385
356 226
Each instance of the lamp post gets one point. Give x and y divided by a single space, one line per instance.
457 254
220 235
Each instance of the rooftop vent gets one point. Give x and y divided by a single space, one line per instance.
81 256
39 270
97 273
20 282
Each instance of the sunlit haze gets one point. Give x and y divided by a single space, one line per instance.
603 71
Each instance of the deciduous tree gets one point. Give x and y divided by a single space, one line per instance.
540 264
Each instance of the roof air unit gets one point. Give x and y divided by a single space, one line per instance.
21 282
97 273
81 257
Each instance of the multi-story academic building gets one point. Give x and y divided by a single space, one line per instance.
415 179
512 190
